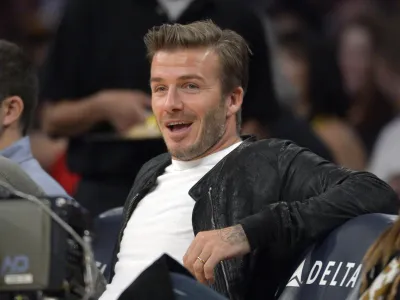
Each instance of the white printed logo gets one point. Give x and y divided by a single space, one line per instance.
333 273
295 280
102 267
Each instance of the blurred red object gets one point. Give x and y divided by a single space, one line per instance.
60 172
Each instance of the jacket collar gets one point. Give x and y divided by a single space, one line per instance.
197 190
165 160
18 152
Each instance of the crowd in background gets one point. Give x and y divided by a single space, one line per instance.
335 66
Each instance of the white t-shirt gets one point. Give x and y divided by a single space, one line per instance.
385 160
161 223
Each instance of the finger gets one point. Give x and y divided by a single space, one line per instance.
202 258
192 255
188 251
136 117
130 123
141 114
198 238
121 126
201 241
144 99
198 268
210 265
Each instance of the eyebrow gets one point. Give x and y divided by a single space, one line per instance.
184 77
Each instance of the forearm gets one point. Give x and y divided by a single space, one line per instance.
71 118
300 223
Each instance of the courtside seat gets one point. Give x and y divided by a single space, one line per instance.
106 230
331 269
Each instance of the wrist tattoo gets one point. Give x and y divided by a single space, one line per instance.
233 235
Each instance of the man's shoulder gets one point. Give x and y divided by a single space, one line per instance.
277 153
47 183
271 146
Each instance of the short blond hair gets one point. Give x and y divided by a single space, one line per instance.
231 48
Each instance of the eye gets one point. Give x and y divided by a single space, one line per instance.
190 86
159 88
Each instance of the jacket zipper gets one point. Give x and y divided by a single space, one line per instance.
214 227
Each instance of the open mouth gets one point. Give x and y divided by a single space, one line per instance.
178 126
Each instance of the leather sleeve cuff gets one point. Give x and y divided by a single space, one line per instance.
260 229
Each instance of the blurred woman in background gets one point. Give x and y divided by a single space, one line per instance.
311 67
385 158
369 110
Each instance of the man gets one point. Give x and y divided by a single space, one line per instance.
236 212
18 94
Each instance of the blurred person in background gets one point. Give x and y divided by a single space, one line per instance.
39 28
344 11
287 125
311 67
8 26
96 86
385 159
34 22
288 16
18 93
369 109
30 24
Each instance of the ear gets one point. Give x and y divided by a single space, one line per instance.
235 100
12 108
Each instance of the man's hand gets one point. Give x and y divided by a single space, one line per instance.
124 108
211 247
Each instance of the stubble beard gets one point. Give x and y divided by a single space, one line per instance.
211 133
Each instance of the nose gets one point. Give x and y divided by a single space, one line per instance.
173 101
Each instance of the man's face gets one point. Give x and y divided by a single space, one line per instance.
355 58
187 101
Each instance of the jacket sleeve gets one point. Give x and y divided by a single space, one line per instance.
316 196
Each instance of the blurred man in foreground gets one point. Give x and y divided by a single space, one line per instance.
236 212
18 96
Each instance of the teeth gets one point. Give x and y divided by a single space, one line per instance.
176 123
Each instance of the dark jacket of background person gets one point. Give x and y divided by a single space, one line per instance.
284 196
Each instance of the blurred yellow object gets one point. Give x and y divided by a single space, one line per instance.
147 130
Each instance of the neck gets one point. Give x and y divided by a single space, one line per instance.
7 138
221 145
229 138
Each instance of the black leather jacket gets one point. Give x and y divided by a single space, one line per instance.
284 196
